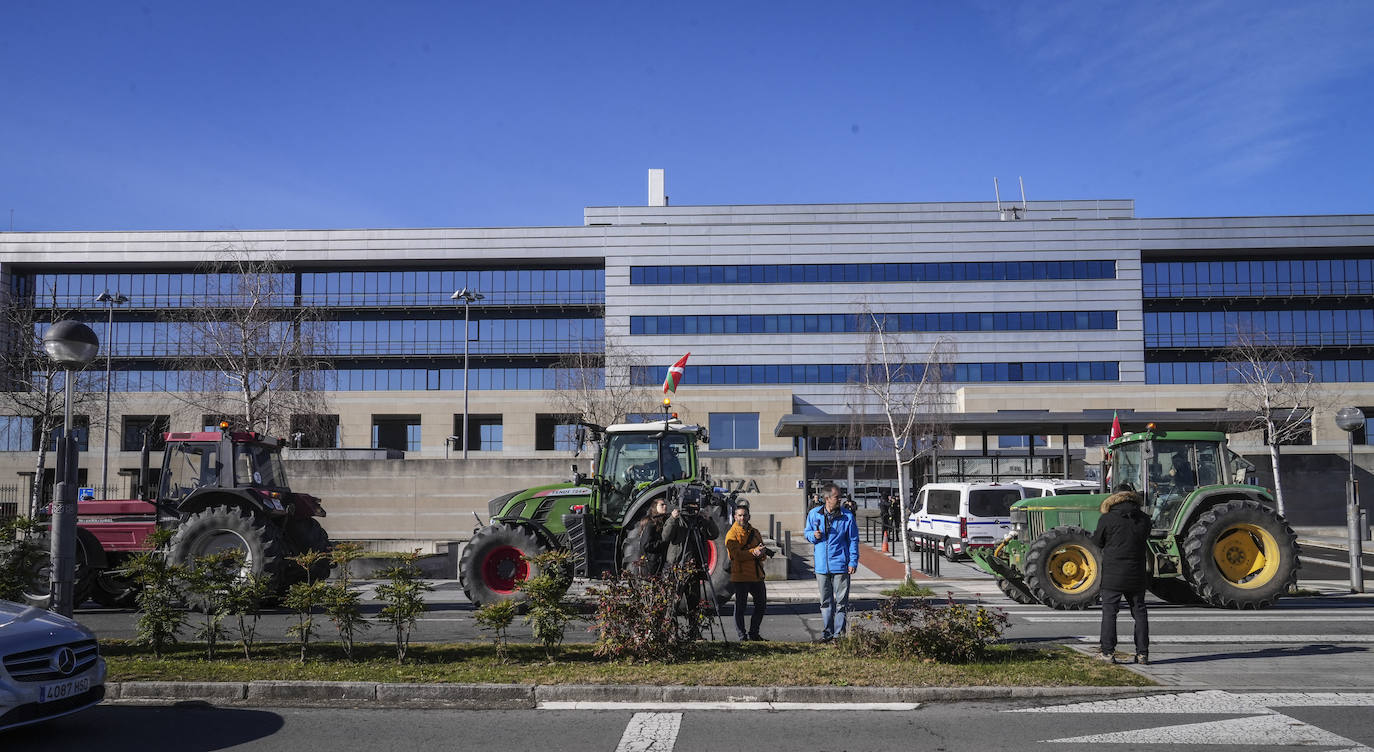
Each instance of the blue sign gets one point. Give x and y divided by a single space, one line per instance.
85 494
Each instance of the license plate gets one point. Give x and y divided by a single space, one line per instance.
63 689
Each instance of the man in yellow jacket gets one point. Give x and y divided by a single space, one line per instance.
744 545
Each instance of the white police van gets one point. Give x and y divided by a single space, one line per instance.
1034 488
963 515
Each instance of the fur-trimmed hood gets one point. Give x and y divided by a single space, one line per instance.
1120 497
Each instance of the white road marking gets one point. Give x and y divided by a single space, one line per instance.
1262 726
1322 616
650 731
1345 564
686 706
1240 639
1275 729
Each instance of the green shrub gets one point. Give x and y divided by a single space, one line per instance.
948 632
208 581
403 593
303 598
22 556
243 601
342 602
635 617
496 618
548 615
160 616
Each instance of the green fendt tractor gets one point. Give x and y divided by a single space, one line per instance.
1214 539
596 517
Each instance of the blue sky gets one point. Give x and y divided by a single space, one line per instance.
257 115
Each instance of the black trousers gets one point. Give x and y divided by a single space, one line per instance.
1111 603
760 596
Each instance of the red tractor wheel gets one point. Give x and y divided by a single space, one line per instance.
493 564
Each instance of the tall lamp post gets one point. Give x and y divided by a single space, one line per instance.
1350 420
71 345
468 297
110 301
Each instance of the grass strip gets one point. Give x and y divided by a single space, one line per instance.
735 664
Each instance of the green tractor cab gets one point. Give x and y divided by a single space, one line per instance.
596 517
1215 538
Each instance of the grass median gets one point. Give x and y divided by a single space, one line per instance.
735 664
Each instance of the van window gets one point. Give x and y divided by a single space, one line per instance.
1069 491
1034 493
992 503
943 501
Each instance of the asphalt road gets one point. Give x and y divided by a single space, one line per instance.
1220 720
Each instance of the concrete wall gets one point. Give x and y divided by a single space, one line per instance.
419 500
1314 483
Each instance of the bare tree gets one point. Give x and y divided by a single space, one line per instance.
253 354
596 386
1274 383
31 385
908 384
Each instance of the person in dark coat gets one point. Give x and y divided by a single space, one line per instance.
653 548
1123 533
687 535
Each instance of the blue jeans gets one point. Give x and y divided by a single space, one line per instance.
834 602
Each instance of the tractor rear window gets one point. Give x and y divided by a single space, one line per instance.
992 503
259 466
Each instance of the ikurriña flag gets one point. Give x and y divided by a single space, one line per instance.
674 376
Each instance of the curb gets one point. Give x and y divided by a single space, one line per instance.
529 696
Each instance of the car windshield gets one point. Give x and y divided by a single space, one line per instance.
992 503
259 466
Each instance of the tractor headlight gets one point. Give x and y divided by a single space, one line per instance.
1020 519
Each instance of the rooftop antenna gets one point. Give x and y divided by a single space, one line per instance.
1015 212
1024 208
998 194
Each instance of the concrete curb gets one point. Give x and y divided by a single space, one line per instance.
527 696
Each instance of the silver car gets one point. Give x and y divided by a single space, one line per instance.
49 666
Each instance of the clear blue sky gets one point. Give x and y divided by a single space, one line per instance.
254 115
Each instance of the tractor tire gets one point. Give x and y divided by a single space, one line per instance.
1064 569
1241 554
223 528
493 564
716 557
1177 590
1016 591
85 576
307 535
112 590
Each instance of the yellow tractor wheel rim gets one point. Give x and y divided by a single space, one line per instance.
1072 568
1246 555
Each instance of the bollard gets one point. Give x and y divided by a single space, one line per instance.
787 544
771 528
1364 525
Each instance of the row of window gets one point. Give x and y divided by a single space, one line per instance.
1211 372
366 379
1192 279
1288 327
956 271
364 288
716 375
893 322
445 337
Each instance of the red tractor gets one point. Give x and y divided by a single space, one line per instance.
219 490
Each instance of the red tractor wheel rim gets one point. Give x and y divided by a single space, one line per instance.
503 568
710 556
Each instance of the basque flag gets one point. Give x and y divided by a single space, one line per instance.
674 376
1116 428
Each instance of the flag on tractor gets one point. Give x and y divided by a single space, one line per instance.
1116 428
674 376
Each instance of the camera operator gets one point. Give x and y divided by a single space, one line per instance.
686 532
747 553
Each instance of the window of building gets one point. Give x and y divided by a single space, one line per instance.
81 429
734 431
486 432
1095 440
555 432
753 274
400 432
315 431
16 433
1365 433
1014 442
139 427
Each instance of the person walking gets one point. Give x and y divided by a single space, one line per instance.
744 545
833 532
1123 533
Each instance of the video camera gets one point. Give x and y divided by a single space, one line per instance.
688 499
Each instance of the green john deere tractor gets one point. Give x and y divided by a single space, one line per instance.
1215 539
596 518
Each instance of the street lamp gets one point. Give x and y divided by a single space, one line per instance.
110 301
468 297
71 345
1350 420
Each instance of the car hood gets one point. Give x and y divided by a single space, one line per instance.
18 620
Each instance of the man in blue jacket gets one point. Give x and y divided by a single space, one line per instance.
831 528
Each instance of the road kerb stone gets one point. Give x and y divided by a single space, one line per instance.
169 690
694 693
311 691
597 693
462 696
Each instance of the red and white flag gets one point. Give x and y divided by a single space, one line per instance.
674 376
1116 428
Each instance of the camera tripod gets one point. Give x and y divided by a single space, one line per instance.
698 546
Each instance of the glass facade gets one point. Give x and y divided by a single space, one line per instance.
717 375
1213 372
1321 327
734 431
1283 277
811 323
16 433
369 379
331 288
956 271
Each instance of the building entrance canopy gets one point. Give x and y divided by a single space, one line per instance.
1022 422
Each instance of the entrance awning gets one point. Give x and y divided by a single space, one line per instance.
1023 422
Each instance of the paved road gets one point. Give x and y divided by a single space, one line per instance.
1274 721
